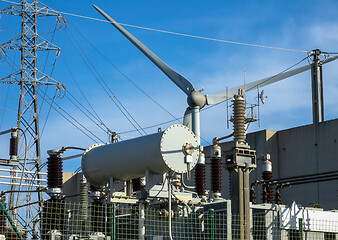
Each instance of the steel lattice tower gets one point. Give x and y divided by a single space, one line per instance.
26 171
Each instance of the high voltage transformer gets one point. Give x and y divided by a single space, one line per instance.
135 189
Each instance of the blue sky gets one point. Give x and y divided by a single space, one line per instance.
301 25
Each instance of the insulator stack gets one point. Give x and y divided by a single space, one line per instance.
216 171
252 196
278 199
13 145
54 171
267 175
216 176
53 216
200 179
84 201
137 184
2 220
200 174
98 219
239 117
264 194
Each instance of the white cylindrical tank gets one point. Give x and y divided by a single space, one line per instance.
174 149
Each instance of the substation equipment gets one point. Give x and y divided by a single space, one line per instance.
151 169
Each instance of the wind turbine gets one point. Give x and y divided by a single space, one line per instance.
196 99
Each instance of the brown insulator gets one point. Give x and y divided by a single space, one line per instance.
98 219
200 179
53 216
269 190
216 175
278 198
265 194
13 145
54 174
267 175
137 184
252 196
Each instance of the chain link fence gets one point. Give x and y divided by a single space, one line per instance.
61 220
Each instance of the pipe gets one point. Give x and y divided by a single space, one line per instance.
24 178
84 202
141 226
212 223
2 207
113 234
217 140
20 171
295 177
216 171
293 181
241 203
246 190
169 206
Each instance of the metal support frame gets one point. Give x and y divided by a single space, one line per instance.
317 88
28 77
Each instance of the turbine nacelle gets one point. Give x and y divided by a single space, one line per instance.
196 99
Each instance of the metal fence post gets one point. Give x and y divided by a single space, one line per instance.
212 223
300 223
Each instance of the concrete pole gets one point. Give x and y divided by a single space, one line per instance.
317 88
246 193
141 221
241 203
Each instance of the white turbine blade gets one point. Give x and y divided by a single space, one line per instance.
177 78
227 94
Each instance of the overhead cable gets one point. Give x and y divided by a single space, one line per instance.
189 35
83 131
111 95
132 82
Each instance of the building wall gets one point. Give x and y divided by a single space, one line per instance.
296 151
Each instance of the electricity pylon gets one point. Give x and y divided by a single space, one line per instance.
26 175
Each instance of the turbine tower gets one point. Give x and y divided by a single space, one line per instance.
26 169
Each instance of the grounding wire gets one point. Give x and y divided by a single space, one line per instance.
112 95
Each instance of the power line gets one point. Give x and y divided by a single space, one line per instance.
189 35
111 95
84 96
59 108
127 78
182 34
